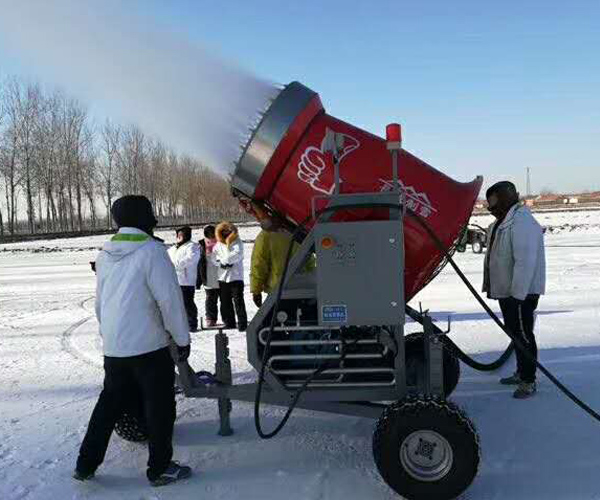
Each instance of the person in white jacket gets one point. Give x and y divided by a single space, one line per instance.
515 275
185 255
228 255
140 311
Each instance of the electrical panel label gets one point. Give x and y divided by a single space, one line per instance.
335 314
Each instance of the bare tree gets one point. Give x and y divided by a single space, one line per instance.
49 157
1 123
75 139
66 175
156 173
9 152
107 166
90 181
25 102
8 168
133 160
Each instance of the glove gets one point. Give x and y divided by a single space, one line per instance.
183 353
257 299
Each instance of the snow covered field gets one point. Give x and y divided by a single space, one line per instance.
51 373
558 222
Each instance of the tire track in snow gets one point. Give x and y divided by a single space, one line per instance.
68 346
67 343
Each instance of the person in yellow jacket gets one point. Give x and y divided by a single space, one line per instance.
268 258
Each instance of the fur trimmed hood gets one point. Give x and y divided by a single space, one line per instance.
226 227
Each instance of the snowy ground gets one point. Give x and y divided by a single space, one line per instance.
51 372
558 222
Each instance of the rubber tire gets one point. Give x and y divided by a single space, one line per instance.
132 428
401 419
132 424
477 247
415 357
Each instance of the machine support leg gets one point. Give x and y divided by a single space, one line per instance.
223 376
434 359
400 362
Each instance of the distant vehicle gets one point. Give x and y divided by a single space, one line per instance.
473 235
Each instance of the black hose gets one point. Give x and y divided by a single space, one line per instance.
261 375
458 353
473 363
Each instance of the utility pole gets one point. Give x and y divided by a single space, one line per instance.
528 182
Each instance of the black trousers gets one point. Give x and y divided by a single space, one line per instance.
153 376
232 295
190 306
519 317
211 303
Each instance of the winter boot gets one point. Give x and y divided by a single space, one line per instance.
525 390
514 379
174 472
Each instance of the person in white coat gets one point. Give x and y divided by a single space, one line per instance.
185 255
140 312
228 255
515 275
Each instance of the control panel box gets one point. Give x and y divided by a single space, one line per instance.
360 269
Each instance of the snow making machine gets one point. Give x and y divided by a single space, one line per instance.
331 338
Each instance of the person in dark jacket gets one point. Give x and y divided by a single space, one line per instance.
208 275
515 275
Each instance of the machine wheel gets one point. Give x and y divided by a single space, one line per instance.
426 448
415 365
132 424
477 246
132 428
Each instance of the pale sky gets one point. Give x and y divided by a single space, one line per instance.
481 88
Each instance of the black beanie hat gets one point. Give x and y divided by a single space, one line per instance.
134 211
210 231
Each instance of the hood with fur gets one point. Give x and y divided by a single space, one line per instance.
226 227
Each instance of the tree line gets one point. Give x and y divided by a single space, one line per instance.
62 169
